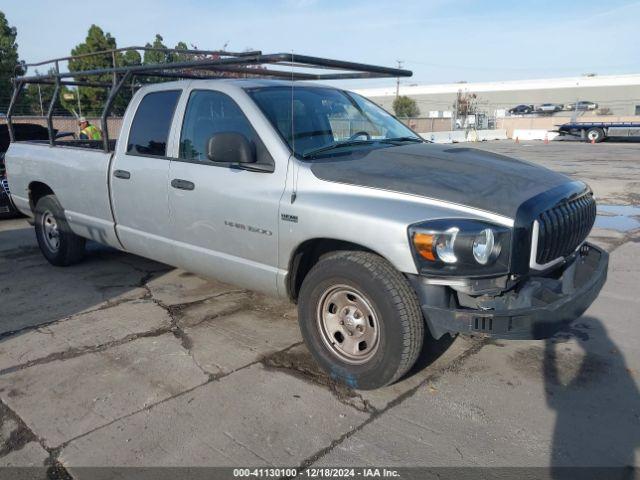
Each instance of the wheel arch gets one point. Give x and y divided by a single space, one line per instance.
37 190
307 254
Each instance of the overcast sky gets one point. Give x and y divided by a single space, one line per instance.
440 40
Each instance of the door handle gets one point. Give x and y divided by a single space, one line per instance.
182 184
122 174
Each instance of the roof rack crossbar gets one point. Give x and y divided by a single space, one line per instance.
188 51
218 72
74 83
193 64
340 64
227 61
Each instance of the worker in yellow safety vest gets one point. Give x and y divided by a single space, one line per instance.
88 131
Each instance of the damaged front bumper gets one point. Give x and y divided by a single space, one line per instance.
536 308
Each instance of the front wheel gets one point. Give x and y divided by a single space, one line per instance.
59 245
360 319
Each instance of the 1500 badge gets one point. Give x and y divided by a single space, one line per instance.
248 228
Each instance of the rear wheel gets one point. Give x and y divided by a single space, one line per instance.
360 319
595 135
59 245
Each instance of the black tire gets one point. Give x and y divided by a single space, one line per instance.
595 134
396 315
70 249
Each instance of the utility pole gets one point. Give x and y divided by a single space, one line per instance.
454 117
40 97
78 95
398 80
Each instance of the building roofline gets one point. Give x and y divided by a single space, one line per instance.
506 85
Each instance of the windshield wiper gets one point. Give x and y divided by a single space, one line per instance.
332 146
402 139
347 143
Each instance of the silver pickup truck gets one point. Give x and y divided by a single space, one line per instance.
376 234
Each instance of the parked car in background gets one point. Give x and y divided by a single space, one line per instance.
582 105
521 109
550 107
7 209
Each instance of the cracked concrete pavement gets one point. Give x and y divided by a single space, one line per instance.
122 361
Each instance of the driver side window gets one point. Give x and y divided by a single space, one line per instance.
209 112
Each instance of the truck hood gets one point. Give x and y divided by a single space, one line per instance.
465 176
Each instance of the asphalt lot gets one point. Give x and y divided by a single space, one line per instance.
124 361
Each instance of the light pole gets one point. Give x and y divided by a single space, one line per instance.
398 80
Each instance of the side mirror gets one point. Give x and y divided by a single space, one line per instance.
230 147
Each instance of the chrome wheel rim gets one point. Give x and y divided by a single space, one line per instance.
348 324
50 231
593 135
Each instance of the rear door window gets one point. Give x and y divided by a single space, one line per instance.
151 124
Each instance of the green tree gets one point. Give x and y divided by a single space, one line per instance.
8 60
181 57
131 57
159 56
152 56
93 98
405 107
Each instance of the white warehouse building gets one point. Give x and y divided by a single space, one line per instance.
617 94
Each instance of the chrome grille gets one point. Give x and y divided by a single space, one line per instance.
563 228
4 184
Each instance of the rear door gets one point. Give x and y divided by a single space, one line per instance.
139 176
223 219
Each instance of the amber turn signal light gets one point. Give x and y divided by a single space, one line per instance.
425 244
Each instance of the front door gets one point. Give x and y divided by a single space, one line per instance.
224 219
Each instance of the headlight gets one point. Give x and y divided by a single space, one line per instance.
461 247
444 246
484 246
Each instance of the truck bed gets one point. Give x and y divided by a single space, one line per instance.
78 175
607 129
600 124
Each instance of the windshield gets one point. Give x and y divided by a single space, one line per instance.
318 119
